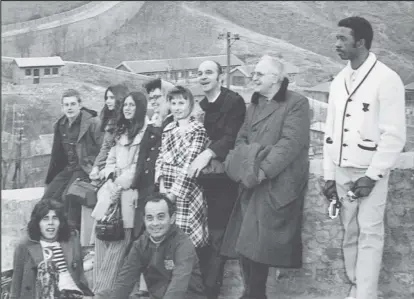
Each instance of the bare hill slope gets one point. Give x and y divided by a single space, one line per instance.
300 32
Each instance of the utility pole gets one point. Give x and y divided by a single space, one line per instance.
229 37
18 127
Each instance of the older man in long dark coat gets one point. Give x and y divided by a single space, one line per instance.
265 226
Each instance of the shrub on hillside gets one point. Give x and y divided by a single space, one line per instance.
34 17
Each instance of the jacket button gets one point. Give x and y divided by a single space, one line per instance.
148 159
146 171
344 145
350 100
152 148
74 265
347 115
152 137
346 130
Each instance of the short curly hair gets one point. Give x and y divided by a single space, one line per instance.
40 210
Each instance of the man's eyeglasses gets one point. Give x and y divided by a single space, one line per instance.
155 97
259 74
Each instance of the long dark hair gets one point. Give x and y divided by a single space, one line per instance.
40 210
137 122
120 92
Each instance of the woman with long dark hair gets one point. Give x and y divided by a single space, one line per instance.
120 168
48 263
114 95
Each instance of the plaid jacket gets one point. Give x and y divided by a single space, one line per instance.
178 151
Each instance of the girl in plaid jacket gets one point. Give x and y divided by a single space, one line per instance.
182 141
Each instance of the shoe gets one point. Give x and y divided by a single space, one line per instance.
143 294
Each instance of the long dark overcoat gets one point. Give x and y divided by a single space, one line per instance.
269 228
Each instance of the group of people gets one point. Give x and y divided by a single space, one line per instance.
195 191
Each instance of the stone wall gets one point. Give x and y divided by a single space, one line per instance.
85 29
51 18
323 261
322 236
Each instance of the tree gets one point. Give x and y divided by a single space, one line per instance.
64 33
56 42
24 41
59 37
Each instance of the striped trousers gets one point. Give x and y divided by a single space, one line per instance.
109 258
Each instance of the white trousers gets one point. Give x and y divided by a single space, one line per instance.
363 221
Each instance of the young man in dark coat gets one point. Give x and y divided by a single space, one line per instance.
265 226
76 143
224 114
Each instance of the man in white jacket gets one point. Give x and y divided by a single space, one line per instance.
365 133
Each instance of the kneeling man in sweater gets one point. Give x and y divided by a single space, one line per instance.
164 254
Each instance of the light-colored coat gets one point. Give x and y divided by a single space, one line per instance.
122 160
269 228
365 125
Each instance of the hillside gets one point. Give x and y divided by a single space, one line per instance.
179 29
315 23
21 11
42 102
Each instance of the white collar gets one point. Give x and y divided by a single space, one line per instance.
364 67
49 244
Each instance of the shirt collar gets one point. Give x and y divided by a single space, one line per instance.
363 68
76 121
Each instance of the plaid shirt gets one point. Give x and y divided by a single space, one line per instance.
178 151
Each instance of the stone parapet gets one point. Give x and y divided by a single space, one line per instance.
322 237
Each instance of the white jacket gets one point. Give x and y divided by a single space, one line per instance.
366 130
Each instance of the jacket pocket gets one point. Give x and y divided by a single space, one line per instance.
363 151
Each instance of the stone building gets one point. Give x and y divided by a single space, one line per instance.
35 70
242 75
175 69
319 92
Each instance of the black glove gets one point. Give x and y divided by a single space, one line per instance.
363 187
329 190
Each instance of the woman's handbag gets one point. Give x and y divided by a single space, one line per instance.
84 192
111 226
213 175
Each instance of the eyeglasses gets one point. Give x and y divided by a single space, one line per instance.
260 75
155 97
